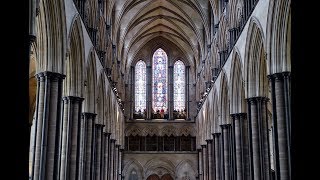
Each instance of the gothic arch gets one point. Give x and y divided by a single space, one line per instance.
101 101
279 36
224 99
90 83
186 169
129 166
159 166
75 61
255 62
51 37
237 103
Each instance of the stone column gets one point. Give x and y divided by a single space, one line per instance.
132 90
48 122
170 93
216 139
259 138
116 161
149 92
280 83
102 160
98 152
204 162
70 137
200 168
85 121
210 162
120 163
226 150
89 119
187 93
241 156
107 155
112 150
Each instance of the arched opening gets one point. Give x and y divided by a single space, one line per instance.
166 177
153 177
140 89
160 82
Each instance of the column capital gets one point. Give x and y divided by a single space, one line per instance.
121 149
118 146
100 125
203 145
216 134
72 99
280 75
50 75
113 140
257 98
225 126
88 114
234 115
199 150
106 134
209 140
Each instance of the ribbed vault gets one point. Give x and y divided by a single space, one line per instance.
184 23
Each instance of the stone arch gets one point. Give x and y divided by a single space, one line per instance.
73 85
279 36
51 37
132 164
159 166
224 99
33 85
186 170
216 112
237 103
101 101
255 62
90 83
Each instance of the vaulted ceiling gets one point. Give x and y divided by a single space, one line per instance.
182 22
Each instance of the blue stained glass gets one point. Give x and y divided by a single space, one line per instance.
179 86
159 81
140 86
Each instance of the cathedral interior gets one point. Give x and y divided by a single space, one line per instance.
160 90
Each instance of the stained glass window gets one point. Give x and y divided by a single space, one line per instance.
159 81
140 86
179 86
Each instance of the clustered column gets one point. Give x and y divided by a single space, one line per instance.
280 86
70 137
89 119
204 162
47 135
187 93
260 166
217 155
210 160
241 146
149 92
226 131
170 93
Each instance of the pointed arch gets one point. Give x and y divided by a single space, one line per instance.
140 86
131 165
255 62
90 83
179 81
279 36
186 169
75 60
224 99
51 37
160 80
237 102
101 100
